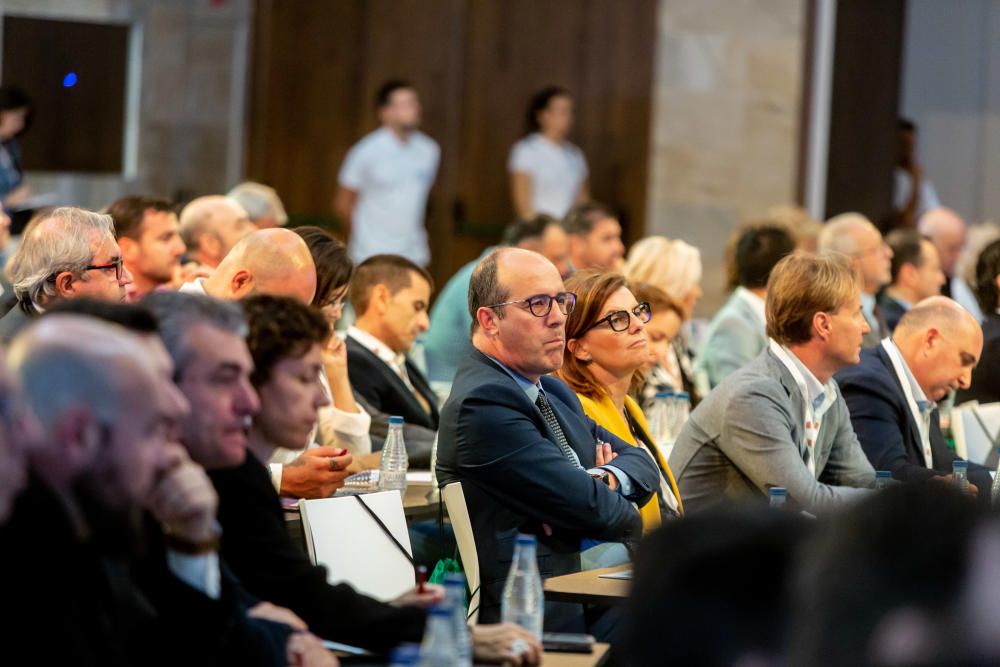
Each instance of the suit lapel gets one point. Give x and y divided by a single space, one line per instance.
392 377
795 398
577 435
421 386
912 432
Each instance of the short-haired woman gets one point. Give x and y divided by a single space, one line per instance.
606 353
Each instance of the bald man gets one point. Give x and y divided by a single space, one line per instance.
893 393
854 235
276 262
211 226
947 232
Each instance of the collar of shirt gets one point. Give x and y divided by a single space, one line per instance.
819 395
755 302
378 348
924 404
531 389
868 306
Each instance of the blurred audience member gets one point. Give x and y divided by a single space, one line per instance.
893 393
714 590
948 233
19 433
890 582
914 194
854 235
738 333
211 226
985 383
595 238
661 330
262 204
674 267
916 275
963 283
149 237
15 117
606 352
780 421
390 295
66 254
805 229
267 261
385 180
448 337
548 174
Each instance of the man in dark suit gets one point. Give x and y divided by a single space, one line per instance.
985 385
916 275
78 552
892 393
528 458
390 295
67 254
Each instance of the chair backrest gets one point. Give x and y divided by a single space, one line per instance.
342 536
458 513
976 430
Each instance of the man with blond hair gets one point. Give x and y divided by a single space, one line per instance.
780 421
854 235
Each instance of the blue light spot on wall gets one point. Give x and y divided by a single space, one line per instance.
69 80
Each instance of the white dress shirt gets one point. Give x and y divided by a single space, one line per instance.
920 406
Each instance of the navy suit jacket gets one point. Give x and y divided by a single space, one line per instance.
886 428
381 387
495 441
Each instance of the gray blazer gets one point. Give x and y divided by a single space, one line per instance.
747 436
735 336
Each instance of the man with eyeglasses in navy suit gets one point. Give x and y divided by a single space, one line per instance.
528 458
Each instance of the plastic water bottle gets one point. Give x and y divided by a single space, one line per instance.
682 410
405 655
523 601
777 495
454 597
882 478
960 475
392 471
995 490
438 648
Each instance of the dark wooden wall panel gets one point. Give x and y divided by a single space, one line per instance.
316 66
864 108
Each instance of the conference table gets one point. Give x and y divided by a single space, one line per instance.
599 656
589 587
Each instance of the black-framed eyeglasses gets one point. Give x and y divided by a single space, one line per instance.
619 320
540 305
118 265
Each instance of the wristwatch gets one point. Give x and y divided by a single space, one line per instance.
601 474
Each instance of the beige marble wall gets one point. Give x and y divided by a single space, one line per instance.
186 122
725 131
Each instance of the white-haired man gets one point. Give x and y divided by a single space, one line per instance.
262 204
211 226
66 254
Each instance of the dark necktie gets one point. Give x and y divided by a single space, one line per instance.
550 418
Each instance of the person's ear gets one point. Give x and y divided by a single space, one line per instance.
210 247
931 339
488 320
66 284
79 435
823 325
380 299
578 348
241 284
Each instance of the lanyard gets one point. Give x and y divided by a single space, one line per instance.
918 418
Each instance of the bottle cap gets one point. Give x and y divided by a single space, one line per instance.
664 394
777 491
396 420
960 465
407 654
526 539
882 474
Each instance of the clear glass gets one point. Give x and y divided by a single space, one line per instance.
523 601
395 462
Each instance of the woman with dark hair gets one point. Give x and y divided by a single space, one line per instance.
607 350
548 174
15 114
985 384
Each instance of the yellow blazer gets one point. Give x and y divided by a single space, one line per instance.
603 412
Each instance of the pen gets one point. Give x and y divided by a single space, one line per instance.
421 579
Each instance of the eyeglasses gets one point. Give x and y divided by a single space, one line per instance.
117 265
540 305
620 319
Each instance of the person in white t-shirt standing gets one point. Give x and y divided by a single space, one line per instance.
385 180
548 174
